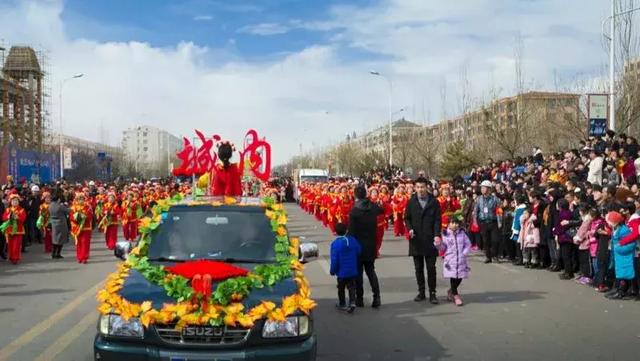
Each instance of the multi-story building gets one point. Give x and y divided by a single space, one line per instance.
150 149
377 140
550 120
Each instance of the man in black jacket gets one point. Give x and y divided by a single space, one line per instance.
362 226
423 217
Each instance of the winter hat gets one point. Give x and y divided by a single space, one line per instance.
614 218
486 183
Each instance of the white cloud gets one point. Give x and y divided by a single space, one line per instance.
312 96
264 29
203 18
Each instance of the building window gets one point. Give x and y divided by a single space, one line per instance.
145 149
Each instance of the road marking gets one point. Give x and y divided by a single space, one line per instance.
325 266
38 329
59 345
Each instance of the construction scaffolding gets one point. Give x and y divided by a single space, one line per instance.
25 97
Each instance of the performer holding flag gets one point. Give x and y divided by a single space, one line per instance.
81 226
13 227
110 220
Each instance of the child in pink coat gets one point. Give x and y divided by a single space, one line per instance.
582 240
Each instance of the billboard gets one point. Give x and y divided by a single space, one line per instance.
27 165
67 159
597 112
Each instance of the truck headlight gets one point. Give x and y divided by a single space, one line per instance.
293 326
114 325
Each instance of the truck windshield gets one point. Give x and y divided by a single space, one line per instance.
212 234
313 178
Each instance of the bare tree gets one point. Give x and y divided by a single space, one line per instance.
423 148
508 123
627 87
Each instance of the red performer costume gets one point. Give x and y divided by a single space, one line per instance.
110 220
227 176
131 212
381 223
398 205
13 226
81 227
43 222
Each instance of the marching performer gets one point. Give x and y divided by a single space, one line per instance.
131 212
13 227
381 222
398 204
81 226
43 222
110 221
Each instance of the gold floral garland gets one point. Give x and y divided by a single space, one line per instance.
188 313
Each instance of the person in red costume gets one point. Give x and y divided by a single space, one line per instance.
81 218
226 176
385 198
449 204
111 214
398 204
381 223
15 216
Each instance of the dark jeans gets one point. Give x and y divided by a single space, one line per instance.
419 264
567 250
475 239
635 285
350 284
490 234
3 242
369 268
509 247
584 260
602 276
455 283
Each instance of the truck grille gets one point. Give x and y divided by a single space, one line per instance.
225 336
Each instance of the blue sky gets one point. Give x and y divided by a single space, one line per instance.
296 70
212 23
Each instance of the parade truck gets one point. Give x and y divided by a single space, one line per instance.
308 176
211 278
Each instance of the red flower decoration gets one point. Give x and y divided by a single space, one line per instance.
218 271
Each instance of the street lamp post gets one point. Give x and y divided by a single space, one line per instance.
373 72
612 45
62 82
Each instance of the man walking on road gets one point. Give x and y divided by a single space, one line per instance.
423 220
362 226
486 213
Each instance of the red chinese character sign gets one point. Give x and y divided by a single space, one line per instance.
197 160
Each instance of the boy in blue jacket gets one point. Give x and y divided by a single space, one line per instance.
345 251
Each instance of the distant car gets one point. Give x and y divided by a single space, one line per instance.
236 234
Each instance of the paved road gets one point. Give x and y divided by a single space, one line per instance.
47 312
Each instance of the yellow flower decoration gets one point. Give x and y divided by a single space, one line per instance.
186 313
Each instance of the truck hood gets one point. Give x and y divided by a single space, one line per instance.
137 289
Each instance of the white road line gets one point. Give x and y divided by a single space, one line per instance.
59 345
43 326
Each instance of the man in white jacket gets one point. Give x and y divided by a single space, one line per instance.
595 168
